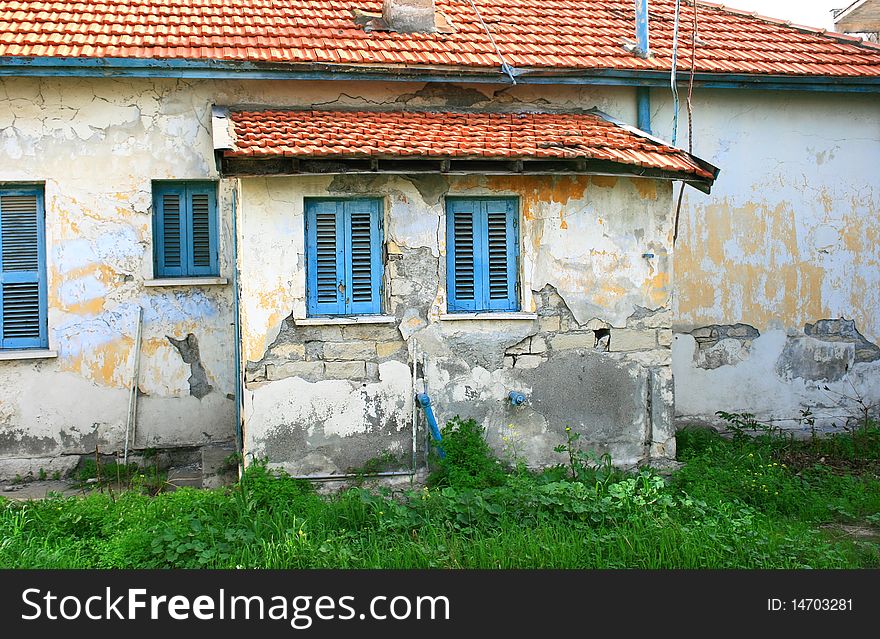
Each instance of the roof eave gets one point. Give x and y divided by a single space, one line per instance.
237 164
232 69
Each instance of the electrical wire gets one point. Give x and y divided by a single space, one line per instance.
672 78
505 68
690 114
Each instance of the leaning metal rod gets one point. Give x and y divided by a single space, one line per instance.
131 422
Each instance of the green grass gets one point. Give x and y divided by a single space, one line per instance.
749 503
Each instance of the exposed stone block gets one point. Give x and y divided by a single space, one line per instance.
647 318
345 370
319 333
528 361
381 332
549 324
388 349
314 350
664 337
538 344
520 349
349 350
289 350
306 370
628 339
568 341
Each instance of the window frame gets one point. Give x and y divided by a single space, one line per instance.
185 189
42 341
482 303
341 308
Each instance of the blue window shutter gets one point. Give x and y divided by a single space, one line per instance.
22 269
186 229
202 253
325 270
463 258
344 266
482 254
500 250
170 237
363 257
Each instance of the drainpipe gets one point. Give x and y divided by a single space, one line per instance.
239 385
643 50
643 108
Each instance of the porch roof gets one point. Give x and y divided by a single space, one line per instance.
447 142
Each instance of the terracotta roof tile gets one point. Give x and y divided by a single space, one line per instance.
362 134
574 34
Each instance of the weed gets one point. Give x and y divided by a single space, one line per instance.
469 462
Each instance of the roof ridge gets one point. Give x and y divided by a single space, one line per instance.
802 28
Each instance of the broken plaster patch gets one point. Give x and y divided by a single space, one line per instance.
189 352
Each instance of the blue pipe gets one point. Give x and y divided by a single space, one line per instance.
643 108
642 28
425 403
516 398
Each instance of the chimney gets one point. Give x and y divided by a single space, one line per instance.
643 49
409 16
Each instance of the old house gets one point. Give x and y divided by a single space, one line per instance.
280 222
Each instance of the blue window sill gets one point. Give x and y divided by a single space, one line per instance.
27 353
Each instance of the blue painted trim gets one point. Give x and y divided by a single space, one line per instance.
236 302
643 108
642 27
184 190
29 277
342 210
227 70
479 208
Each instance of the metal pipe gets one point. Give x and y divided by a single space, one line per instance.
131 422
516 398
643 108
239 386
425 403
642 41
388 473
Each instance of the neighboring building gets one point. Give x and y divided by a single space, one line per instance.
322 210
861 17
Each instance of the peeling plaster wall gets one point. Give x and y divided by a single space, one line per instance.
326 399
789 237
96 145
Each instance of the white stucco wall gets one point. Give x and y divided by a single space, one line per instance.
788 236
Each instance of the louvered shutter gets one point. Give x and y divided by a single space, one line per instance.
325 269
169 202
344 248
22 270
202 230
363 257
482 253
500 250
463 263
186 236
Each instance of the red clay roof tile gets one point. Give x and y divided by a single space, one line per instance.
344 134
572 34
